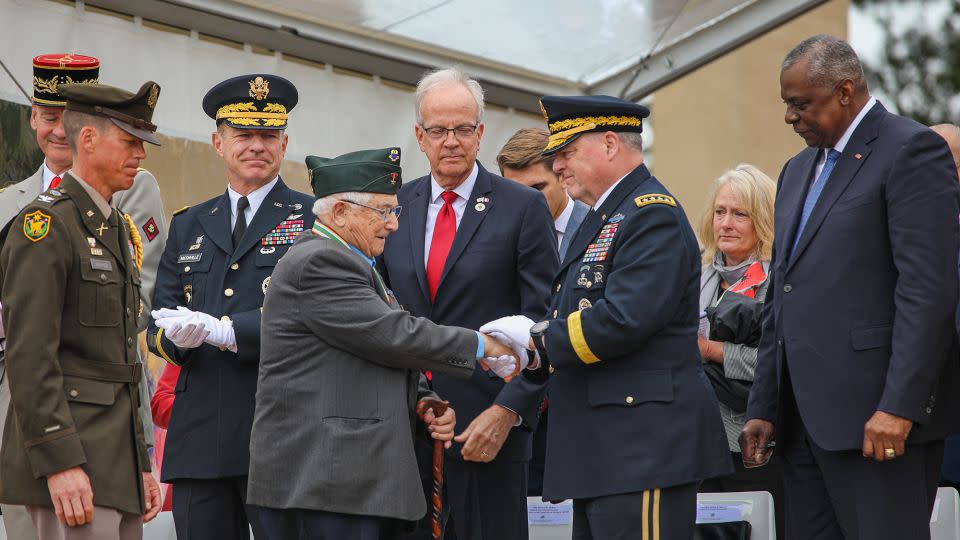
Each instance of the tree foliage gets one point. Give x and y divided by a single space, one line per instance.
919 69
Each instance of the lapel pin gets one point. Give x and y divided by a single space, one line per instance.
215 208
480 207
89 213
858 156
278 205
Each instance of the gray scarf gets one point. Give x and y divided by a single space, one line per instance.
731 274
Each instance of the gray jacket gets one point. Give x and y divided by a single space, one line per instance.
739 361
338 383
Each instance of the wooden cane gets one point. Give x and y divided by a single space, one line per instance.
436 498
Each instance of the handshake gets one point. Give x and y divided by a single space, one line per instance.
506 342
189 329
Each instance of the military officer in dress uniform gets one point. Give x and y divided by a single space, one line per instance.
69 269
210 288
634 425
141 201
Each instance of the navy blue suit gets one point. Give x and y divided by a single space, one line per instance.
500 263
209 434
860 318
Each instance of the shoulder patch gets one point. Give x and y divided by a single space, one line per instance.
654 198
36 226
182 210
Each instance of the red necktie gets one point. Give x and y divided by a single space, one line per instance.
443 232
55 182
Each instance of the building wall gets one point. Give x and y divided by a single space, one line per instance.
729 111
339 110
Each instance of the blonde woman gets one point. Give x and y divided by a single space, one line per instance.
736 232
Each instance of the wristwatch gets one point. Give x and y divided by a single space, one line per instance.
537 332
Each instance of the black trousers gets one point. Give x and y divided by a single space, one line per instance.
486 501
766 478
655 514
538 461
296 524
214 508
845 496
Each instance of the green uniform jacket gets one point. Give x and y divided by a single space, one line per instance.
70 294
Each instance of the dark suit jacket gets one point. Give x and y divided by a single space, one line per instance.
338 385
862 312
630 407
209 433
501 263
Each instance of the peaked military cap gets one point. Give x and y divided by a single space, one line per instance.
52 70
569 116
257 101
128 111
365 171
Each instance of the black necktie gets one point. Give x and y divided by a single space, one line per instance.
241 226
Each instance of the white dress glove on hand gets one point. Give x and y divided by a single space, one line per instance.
183 332
513 330
505 366
218 333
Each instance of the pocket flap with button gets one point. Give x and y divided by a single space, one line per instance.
610 387
89 391
101 271
203 265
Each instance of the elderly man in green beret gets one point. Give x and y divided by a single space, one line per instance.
77 458
331 452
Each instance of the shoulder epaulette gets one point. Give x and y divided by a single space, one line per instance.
182 210
654 198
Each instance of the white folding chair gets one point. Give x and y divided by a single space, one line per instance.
753 506
549 521
945 518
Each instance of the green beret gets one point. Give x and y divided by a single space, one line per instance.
128 111
365 171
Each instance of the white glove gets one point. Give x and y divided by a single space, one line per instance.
182 332
505 366
220 333
514 331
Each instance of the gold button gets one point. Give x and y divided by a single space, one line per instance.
558 287
225 318
234 266
228 292
551 369
129 342
74 393
103 277
128 312
629 400
186 268
555 312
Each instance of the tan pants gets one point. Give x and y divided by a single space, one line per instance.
107 524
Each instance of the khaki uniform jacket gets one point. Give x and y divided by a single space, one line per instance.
70 294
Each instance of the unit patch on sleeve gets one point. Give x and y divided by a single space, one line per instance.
150 229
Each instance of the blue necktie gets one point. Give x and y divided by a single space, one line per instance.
814 194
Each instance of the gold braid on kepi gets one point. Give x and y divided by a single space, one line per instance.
256 101
135 240
568 117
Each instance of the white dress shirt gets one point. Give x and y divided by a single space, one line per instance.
255 198
48 177
560 224
608 192
842 143
463 192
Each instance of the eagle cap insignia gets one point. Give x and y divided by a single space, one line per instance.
259 88
154 94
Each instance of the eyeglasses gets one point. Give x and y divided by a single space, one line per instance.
461 132
385 214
